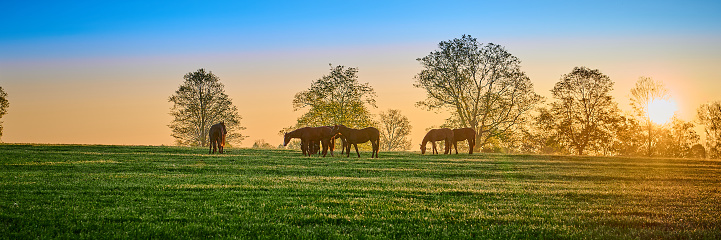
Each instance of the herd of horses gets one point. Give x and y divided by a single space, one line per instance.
313 138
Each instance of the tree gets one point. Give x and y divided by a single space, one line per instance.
199 103
336 98
627 137
394 128
481 85
261 144
646 91
584 109
676 140
4 105
709 115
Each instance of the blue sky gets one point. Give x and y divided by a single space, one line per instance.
61 28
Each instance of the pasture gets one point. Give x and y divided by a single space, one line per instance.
138 192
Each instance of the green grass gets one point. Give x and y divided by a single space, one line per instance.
77 192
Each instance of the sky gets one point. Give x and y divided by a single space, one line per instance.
101 72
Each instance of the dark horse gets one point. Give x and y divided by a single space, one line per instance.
217 137
355 136
438 135
308 136
461 134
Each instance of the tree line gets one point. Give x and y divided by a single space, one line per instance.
480 86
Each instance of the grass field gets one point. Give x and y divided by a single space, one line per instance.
77 192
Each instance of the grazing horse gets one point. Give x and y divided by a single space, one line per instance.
296 134
217 137
461 134
438 135
308 137
355 136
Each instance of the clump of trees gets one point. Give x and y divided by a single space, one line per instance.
709 116
481 86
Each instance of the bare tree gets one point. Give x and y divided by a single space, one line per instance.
394 128
709 115
646 91
481 85
584 108
199 103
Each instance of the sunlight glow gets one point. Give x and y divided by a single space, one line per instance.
660 111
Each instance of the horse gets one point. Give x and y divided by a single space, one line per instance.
308 136
296 134
217 137
461 134
355 136
438 135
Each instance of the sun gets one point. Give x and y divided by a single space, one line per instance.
660 111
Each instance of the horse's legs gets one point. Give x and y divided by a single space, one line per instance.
471 144
210 150
376 145
455 146
325 144
347 150
433 143
356 149
303 146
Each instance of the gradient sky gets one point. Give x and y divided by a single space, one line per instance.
101 72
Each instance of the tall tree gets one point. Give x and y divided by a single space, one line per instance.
584 108
646 91
4 105
481 85
394 128
336 98
199 103
709 115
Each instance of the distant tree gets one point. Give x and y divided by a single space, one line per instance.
337 98
709 115
4 105
261 144
481 85
646 91
199 103
676 140
394 129
541 135
627 137
584 109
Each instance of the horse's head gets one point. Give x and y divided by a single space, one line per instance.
423 149
286 139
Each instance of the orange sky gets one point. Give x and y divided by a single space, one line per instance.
124 100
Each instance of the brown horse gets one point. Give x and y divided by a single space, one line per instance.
308 136
295 134
443 134
355 136
461 134
217 137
